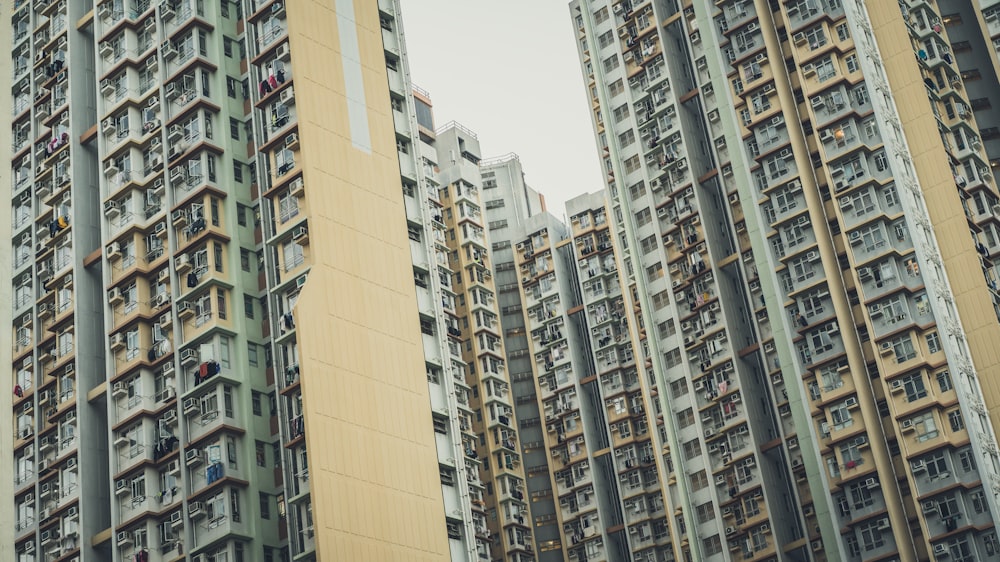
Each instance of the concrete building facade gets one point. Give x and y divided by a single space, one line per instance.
797 237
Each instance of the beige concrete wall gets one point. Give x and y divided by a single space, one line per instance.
961 262
373 466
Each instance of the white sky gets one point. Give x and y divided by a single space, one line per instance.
508 70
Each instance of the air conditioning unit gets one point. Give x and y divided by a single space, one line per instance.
196 510
111 168
107 87
121 487
168 50
171 91
176 518
124 538
292 141
115 296
192 406
283 53
301 235
189 356
278 10
108 126
119 390
169 417
118 342
113 251
940 549
161 300
885 348
183 263
185 310
193 457
175 133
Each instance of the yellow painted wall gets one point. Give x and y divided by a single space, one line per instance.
950 225
372 461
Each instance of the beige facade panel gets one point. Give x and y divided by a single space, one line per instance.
372 460
951 226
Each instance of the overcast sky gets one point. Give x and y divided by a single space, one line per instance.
509 71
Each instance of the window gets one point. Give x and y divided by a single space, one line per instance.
955 420
692 449
902 346
699 481
248 302
255 401
872 237
633 164
967 460
611 63
606 38
627 138
914 386
705 512
926 426
871 535
861 496
685 419
621 112
843 34
245 259
933 342
852 63
265 505
712 546
840 416
825 69
252 354
679 388
944 381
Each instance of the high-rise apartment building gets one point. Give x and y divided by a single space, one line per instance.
580 404
802 197
210 331
503 515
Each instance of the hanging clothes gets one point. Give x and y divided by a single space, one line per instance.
18 391
272 81
192 279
